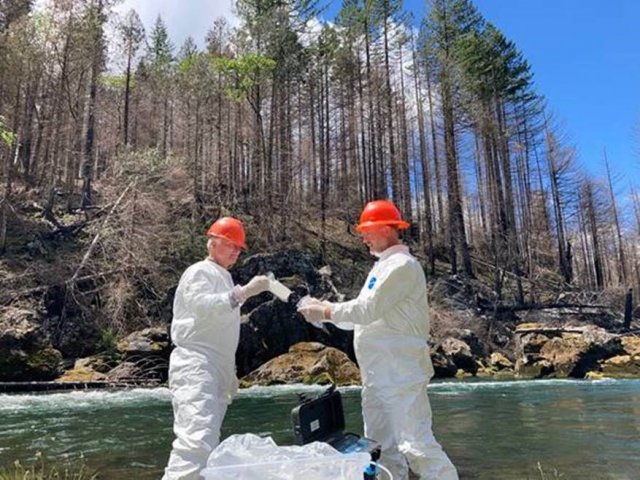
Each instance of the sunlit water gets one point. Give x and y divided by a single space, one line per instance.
491 430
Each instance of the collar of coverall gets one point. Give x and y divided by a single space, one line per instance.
216 264
400 248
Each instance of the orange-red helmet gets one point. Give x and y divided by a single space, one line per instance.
379 213
230 229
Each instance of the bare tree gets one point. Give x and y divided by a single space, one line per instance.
131 33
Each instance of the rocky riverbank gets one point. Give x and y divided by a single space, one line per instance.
470 336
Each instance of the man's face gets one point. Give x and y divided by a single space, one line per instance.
224 253
378 239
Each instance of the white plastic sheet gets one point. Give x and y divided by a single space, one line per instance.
250 457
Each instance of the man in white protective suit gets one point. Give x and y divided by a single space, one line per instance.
205 331
391 322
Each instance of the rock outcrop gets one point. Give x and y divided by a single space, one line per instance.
269 326
627 364
621 366
89 369
498 362
306 362
459 353
26 353
562 352
471 335
72 330
443 366
146 342
145 354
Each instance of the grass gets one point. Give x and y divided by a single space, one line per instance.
39 470
548 475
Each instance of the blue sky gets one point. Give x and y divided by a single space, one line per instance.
585 55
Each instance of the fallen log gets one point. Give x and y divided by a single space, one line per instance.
549 330
547 306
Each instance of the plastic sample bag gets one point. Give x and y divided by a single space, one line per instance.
250 457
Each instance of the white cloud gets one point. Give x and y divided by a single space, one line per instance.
183 18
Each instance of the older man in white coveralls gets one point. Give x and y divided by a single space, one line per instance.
391 322
205 331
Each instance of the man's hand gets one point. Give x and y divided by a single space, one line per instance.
314 310
255 286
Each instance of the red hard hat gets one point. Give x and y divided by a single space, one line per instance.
379 213
230 229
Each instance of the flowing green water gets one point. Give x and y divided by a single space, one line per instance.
491 430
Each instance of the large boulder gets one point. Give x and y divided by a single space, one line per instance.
530 338
144 371
563 351
460 354
499 362
26 353
273 327
443 366
470 338
145 354
631 345
71 328
146 342
538 369
269 326
621 366
627 364
128 372
308 363
85 370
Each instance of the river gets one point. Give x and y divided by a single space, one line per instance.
491 430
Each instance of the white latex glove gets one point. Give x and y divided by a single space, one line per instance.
307 300
315 311
255 286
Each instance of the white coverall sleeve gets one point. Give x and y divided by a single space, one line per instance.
202 300
388 291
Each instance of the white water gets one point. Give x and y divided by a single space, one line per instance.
492 430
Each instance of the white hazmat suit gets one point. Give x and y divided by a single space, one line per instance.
205 331
391 331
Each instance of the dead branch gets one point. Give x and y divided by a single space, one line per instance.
94 242
86 257
514 276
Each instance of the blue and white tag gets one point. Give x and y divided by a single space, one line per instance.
372 282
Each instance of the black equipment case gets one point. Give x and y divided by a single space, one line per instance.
321 418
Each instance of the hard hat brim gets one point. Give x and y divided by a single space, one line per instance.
241 245
399 224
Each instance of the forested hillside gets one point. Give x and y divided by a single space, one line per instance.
119 147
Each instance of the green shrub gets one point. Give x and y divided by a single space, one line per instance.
108 343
